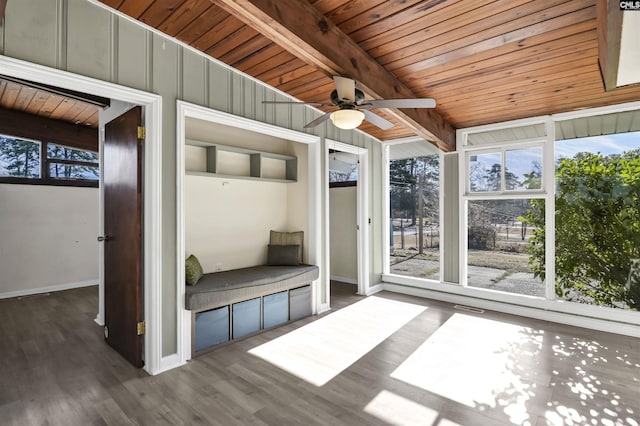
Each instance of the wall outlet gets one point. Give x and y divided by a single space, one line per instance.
218 267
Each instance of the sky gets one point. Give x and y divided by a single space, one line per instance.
607 145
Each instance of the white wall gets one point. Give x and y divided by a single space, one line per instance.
343 204
227 220
47 238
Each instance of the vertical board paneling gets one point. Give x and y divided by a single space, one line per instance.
450 219
249 99
132 55
165 82
282 112
193 77
33 36
219 88
88 40
260 108
297 116
270 110
237 94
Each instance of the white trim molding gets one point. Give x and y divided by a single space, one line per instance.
48 289
186 109
152 176
344 279
560 312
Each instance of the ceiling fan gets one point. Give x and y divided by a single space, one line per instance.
353 108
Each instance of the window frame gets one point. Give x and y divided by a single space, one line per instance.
546 192
386 270
502 149
45 161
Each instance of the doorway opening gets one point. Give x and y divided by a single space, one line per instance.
197 125
151 231
347 215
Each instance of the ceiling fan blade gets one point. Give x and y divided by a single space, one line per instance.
296 103
401 103
317 121
375 119
346 88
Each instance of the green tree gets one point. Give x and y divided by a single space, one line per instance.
403 184
71 171
597 228
21 158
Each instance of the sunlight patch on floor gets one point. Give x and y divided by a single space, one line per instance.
319 351
477 362
397 410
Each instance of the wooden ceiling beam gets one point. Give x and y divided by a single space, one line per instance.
300 29
28 126
609 19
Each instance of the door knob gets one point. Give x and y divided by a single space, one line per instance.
105 238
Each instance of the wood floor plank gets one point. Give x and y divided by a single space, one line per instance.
56 369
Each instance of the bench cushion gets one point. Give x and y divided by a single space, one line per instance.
224 288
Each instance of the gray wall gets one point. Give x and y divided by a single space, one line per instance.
84 38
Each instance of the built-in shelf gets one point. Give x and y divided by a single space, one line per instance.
265 166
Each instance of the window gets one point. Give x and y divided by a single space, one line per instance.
69 163
19 158
40 162
504 200
343 169
597 227
505 170
414 196
500 237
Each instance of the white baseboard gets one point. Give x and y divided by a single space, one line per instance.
524 311
49 289
344 279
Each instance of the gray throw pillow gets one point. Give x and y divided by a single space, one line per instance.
283 255
193 270
278 238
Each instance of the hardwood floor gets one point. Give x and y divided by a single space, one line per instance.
412 361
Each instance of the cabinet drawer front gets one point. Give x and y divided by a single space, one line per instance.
212 328
275 309
300 302
246 317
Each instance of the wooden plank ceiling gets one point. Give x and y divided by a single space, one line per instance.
41 102
484 61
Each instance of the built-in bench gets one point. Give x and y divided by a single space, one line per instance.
231 304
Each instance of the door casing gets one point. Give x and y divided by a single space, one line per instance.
156 362
363 215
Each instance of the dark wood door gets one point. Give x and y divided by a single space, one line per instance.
123 235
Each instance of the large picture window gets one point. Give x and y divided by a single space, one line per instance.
557 216
414 194
597 230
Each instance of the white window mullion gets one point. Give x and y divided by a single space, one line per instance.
549 184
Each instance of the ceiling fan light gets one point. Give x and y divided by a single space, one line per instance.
347 118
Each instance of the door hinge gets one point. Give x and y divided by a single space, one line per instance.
142 328
142 132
